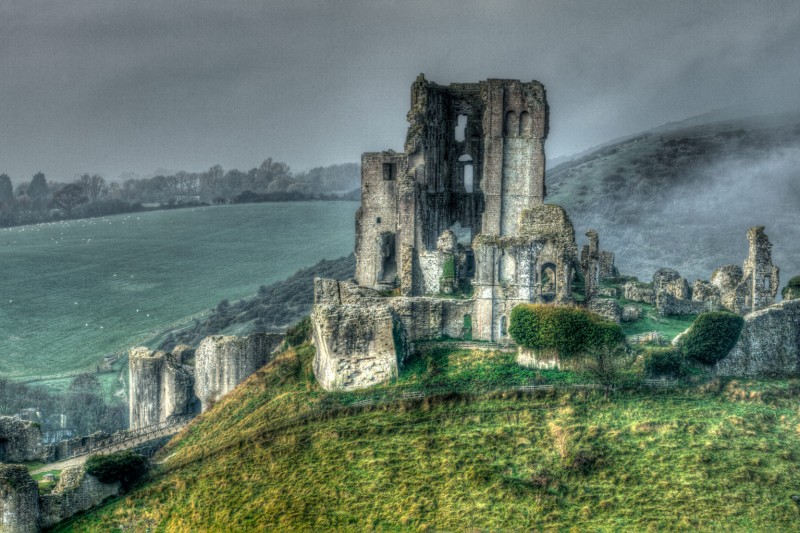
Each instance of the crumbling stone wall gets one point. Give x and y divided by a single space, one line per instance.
769 344
607 268
19 440
762 274
590 265
754 286
668 305
222 362
536 265
667 280
636 291
160 386
607 308
75 492
19 500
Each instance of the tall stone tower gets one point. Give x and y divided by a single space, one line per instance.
473 161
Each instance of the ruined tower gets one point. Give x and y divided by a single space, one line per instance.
473 161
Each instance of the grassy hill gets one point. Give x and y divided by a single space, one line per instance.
683 195
278 453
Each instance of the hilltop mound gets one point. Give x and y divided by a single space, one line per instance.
278 453
674 196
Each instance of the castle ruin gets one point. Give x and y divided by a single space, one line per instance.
452 233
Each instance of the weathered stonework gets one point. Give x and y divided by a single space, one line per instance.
607 308
669 305
769 344
636 291
590 265
160 386
19 440
19 500
75 492
667 280
222 362
538 359
754 286
631 313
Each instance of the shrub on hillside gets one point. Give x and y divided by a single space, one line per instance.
792 289
711 337
568 330
125 467
663 361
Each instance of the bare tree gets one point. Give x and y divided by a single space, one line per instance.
94 186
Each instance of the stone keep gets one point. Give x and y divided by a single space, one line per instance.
473 161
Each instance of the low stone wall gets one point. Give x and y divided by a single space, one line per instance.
769 344
607 308
76 491
539 359
23 510
636 291
668 305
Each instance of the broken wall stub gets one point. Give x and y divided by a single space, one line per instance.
224 361
762 274
590 265
754 286
19 500
607 268
20 440
160 386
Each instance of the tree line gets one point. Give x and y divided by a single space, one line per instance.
40 200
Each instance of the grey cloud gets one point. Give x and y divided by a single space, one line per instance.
130 86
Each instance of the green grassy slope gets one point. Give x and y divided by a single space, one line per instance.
720 455
683 197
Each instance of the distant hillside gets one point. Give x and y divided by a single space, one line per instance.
684 194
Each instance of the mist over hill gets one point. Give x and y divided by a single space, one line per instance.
683 195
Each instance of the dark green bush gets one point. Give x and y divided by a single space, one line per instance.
125 467
792 289
711 337
299 333
568 330
663 361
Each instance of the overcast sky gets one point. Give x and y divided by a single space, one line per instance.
111 86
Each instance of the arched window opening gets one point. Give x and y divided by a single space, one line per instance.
461 128
466 332
503 326
525 125
548 282
512 124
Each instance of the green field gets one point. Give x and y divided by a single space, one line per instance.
77 290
